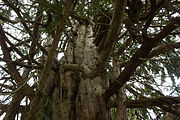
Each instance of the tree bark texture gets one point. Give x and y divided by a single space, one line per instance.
79 87
72 95
81 95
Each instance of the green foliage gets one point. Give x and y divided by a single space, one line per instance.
149 79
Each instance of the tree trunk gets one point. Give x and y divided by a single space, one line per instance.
81 96
72 95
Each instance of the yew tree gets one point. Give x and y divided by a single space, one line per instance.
89 59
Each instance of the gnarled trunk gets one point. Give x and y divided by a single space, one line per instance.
81 96
70 94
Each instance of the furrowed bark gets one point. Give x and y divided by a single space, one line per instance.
45 89
81 96
87 83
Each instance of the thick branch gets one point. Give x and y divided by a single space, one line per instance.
49 63
54 45
166 103
18 96
142 52
165 100
112 35
167 30
78 68
170 109
11 67
75 67
163 49
152 14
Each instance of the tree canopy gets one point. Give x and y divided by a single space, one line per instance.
137 44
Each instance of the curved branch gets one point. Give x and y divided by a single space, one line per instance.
112 35
135 61
154 10
54 45
163 49
175 23
49 63
11 67
164 100
18 96
166 103
25 26
78 68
